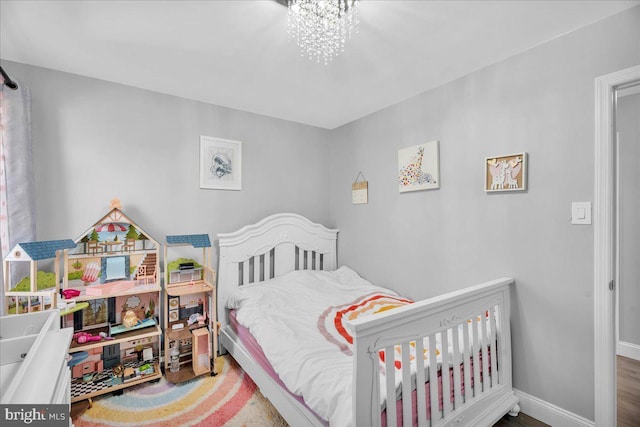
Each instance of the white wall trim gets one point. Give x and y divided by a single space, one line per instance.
549 413
604 301
628 349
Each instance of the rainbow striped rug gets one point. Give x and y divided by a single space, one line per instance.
229 399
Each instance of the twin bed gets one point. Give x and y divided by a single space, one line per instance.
327 347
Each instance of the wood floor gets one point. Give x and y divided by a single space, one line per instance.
628 371
522 420
628 392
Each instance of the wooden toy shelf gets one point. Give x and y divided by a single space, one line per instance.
190 291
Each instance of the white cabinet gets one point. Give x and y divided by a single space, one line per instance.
33 359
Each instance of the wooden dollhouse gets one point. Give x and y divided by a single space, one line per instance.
38 290
114 268
190 322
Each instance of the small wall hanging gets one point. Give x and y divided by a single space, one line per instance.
505 173
220 164
419 167
360 190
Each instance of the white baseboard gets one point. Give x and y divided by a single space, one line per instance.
550 414
630 350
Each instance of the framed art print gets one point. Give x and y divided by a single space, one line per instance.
419 167
505 173
220 164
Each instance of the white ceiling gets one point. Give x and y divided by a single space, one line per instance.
236 53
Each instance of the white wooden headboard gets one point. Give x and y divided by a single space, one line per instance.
271 247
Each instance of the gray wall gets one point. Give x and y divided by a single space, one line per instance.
425 243
628 125
94 140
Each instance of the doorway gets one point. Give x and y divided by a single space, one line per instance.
606 243
627 195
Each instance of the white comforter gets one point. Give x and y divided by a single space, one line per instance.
283 312
299 321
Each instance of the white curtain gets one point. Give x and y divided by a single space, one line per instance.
17 194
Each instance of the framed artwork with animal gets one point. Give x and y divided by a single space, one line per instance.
505 173
419 167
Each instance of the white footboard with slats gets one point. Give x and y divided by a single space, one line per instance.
473 389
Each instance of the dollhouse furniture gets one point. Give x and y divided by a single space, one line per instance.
201 351
110 246
91 365
109 281
93 247
189 291
33 299
477 392
33 364
186 272
129 245
143 276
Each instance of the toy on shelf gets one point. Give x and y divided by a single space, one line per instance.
109 288
68 304
196 317
85 368
190 299
69 293
75 358
85 337
130 319
38 291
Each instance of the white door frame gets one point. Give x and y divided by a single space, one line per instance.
604 211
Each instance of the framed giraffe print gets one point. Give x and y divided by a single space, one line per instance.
505 173
419 167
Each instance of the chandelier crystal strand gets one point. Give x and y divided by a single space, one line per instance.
321 27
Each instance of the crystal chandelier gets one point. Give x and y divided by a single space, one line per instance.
321 27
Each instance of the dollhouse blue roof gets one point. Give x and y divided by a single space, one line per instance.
45 249
195 240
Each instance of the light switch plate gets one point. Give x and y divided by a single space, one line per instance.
581 213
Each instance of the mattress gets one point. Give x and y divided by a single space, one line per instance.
255 351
